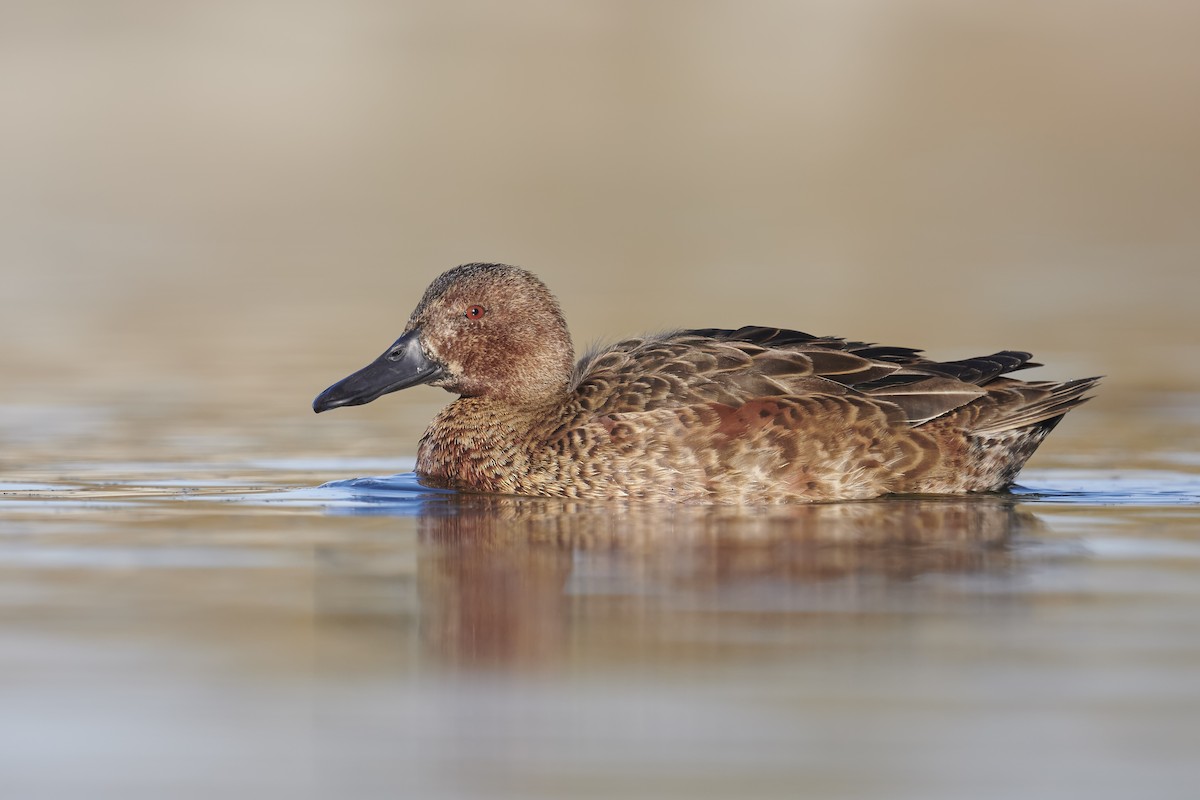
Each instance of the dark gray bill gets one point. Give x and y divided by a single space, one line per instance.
403 365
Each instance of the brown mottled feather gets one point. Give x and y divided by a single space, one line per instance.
748 415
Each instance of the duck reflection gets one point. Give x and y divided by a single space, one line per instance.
507 580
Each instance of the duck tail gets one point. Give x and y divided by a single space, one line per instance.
1002 429
1034 406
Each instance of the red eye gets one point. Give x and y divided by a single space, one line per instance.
475 312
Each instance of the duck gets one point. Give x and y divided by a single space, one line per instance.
752 415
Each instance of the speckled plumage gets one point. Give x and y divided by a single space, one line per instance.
754 415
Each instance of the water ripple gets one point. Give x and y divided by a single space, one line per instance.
1098 488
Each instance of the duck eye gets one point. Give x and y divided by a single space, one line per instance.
475 312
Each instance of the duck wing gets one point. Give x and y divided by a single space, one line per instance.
733 367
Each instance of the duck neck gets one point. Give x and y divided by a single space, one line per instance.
480 443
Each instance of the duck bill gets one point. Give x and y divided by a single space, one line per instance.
404 364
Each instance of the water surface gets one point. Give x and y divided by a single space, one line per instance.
290 626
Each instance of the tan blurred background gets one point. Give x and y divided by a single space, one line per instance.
238 202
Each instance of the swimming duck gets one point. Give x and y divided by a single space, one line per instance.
752 415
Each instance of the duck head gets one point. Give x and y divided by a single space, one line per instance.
480 330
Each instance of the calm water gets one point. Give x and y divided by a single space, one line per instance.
235 628
211 211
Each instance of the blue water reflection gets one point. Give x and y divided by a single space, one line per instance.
404 495
389 495
1126 488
